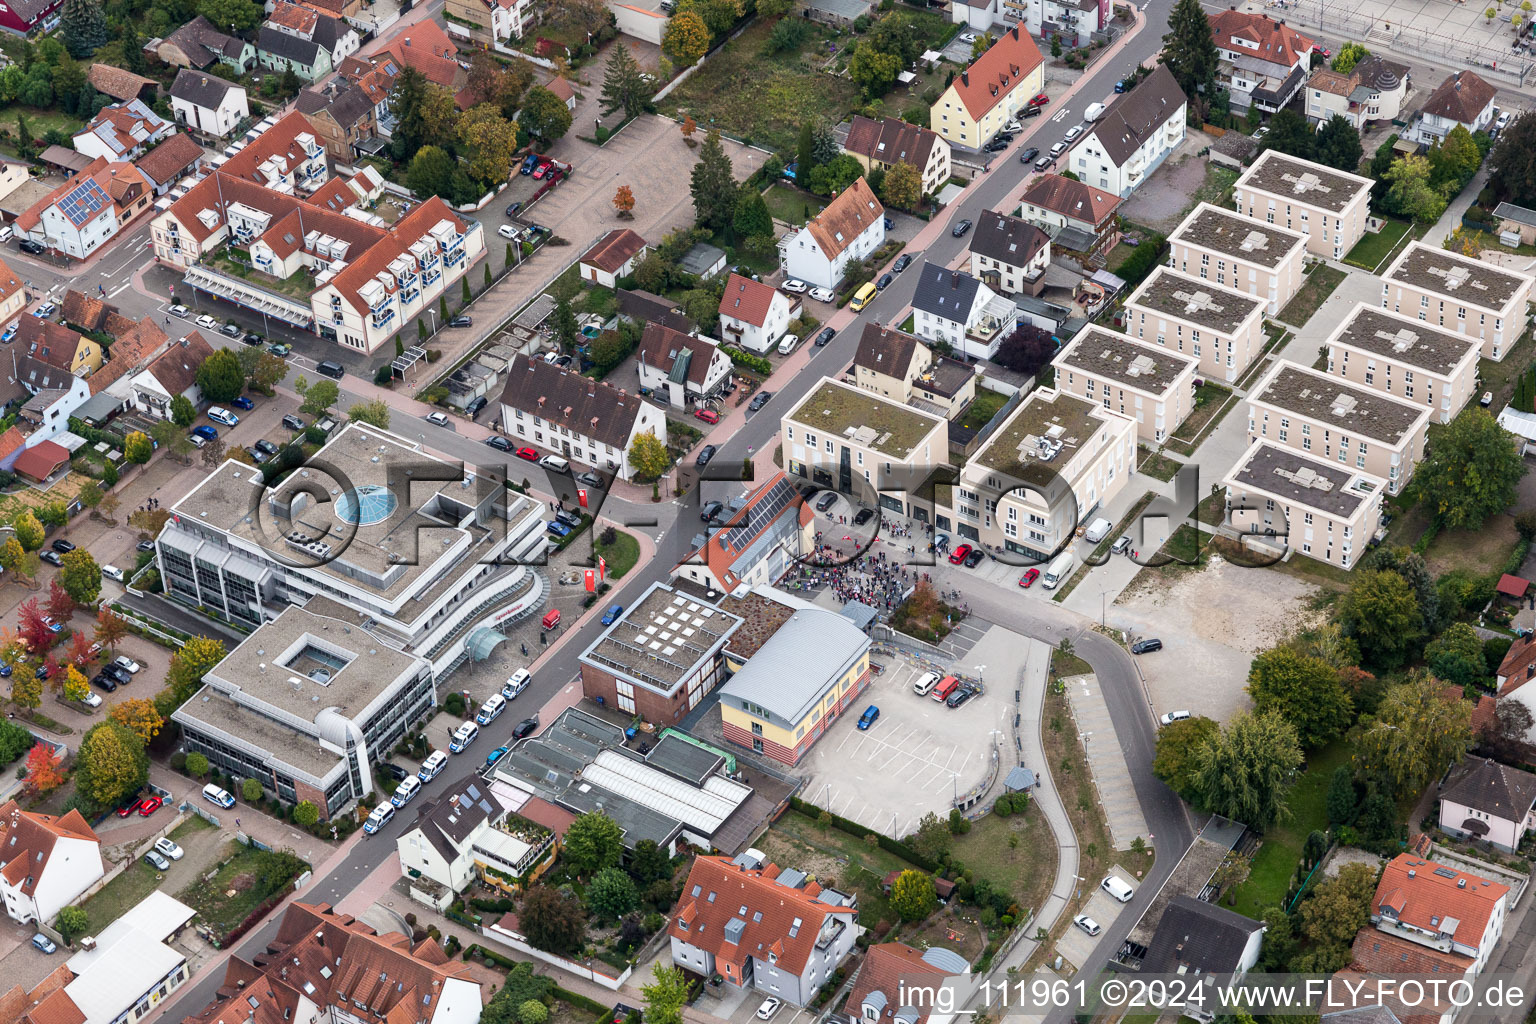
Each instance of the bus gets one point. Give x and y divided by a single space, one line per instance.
861 299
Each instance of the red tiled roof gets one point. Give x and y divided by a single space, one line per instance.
38 463
279 140
10 283
85 311
996 73
723 888
11 440
1422 897
1461 97
292 16
1352 987
1518 666
1483 709
335 194
26 838
845 218
392 243
1277 43
42 339
33 215
116 82
613 250
135 343
167 160
1513 586
249 996
893 968
718 556
1070 198
747 300
561 88
57 1008
542 812
890 141
176 368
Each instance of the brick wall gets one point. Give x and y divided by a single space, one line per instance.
651 706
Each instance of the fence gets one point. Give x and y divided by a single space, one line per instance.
511 940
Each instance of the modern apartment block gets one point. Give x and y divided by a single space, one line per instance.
385 537
1241 253
1329 206
1459 294
856 442
1054 461
1405 358
308 705
1313 412
1153 386
1222 328
1282 498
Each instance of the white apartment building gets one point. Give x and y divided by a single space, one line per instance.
753 315
1330 207
1459 294
850 228
1153 386
1008 254
1405 358
1313 412
577 418
1222 328
1280 497
207 104
1138 131
1241 253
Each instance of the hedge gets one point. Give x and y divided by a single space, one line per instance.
853 828
757 364
580 1001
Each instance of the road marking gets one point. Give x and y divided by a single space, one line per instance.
1059 115
119 288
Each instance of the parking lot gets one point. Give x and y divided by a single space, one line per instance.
913 760
1075 944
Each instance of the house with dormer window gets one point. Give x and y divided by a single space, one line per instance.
898 984
850 228
46 861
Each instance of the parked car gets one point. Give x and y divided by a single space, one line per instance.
145 545
826 335
462 321
264 446
43 943
35 249
1073 132
47 310
241 402
863 516
612 614
525 727
960 554
705 454
960 229
230 330
378 818
1146 646
1044 163
1087 924
822 294
589 479
91 700
884 282
154 860
542 169
1029 577
1058 149
207 323
867 719
205 432
280 349
514 208
826 501
51 557
127 664
902 263
219 414
1025 156
569 516
759 400
960 696
500 443
710 510
1040 100
1174 716
531 454
769 1008
529 163
795 286
62 546
998 144
495 755
975 558
557 528
707 415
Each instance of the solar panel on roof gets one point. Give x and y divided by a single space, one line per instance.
778 496
83 202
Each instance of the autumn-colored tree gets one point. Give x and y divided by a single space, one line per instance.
80 576
686 38
110 765
79 653
28 531
624 201
75 686
689 126
45 772
138 716
34 631
60 605
191 663
107 510
55 673
11 555
150 522
137 447
110 628
26 688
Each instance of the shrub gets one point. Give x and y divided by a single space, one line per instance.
197 765
453 703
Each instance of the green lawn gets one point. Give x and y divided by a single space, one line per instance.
787 89
790 205
621 555
1157 465
1320 284
1026 865
119 896
1276 860
982 408
835 858
250 875
1371 250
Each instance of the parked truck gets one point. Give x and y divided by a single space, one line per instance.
1060 568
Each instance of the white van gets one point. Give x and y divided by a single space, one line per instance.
1097 530
222 415
925 683
1117 888
403 792
463 737
432 766
1059 569
1094 111
788 344
516 683
7 233
555 464
217 795
491 710
112 572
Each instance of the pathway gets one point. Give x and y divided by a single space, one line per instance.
1111 777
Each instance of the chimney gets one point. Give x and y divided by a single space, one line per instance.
954 279
1461 883
965 77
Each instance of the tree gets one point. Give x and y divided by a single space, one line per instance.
666 995
624 201
1342 799
250 790
611 894
1348 56
81 576
686 38
835 175
80 654
688 127
1457 655
1453 160
1290 133
1506 737
74 685
374 411
1513 162
84 28
139 716
493 140
24 143
1341 906
565 323
29 532
1416 733
183 412
1304 691
319 397
11 555
73 921
1410 193
137 449
1245 771
751 217
231 15
26 688
593 842
648 456
649 862
407 99
268 371
932 837
713 184
305 813
544 115
1489 14
430 172
532 1011
61 604
903 187
197 765
1026 350
1189 49
34 631
111 764
872 70
623 86
1471 470
1338 145
552 922
191 663
913 895
1381 614
1177 747
805 151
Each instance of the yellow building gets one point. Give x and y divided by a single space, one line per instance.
986 95
800 680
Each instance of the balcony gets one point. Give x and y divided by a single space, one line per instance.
383 319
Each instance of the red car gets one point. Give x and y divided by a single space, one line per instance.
149 805
959 554
707 415
1030 575
544 168
1040 100
528 453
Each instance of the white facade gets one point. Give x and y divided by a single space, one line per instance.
1095 160
850 228
69 869
529 428
1405 358
1238 252
54 420
1330 207
739 328
1154 387
217 121
1460 294
1281 498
